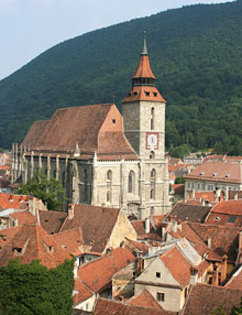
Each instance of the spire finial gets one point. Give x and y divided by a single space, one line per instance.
145 50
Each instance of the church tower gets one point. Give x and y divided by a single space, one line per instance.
143 112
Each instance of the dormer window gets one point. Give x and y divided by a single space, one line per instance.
147 93
217 218
50 249
201 174
17 250
227 175
135 93
214 174
129 94
114 121
155 94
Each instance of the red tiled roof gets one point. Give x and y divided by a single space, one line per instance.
82 292
70 240
203 299
231 207
180 270
13 201
144 70
209 196
6 235
190 212
178 189
224 240
235 281
23 217
217 171
224 219
35 132
106 307
143 93
96 224
97 275
145 299
31 242
137 245
52 221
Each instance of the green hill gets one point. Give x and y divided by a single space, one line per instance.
195 51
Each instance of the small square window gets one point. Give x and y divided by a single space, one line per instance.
147 93
114 121
155 94
157 274
160 297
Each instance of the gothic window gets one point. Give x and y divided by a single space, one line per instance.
152 155
153 175
152 183
152 121
131 180
109 176
152 192
109 196
152 211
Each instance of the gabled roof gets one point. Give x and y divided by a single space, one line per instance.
31 242
105 306
145 299
6 235
23 217
203 299
35 132
96 224
188 212
52 221
230 207
70 240
81 292
224 240
218 171
97 275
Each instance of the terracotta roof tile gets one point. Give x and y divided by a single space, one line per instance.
70 240
188 212
223 239
143 93
30 243
13 201
97 275
96 224
217 171
203 299
235 281
23 217
34 133
178 189
231 207
144 69
52 221
6 235
82 292
116 308
145 299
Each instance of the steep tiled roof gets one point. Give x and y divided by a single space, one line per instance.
231 207
23 217
70 240
186 231
235 281
96 224
178 189
13 201
224 240
35 132
81 292
137 245
188 212
97 275
179 270
203 299
144 70
52 221
105 306
6 235
145 299
95 128
217 171
144 93
32 242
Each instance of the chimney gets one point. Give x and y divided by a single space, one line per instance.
224 267
179 224
227 193
193 277
203 203
193 194
147 225
140 265
209 242
236 196
215 274
75 269
174 227
71 211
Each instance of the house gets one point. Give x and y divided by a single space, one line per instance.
169 271
203 299
84 298
211 175
226 213
101 157
189 212
31 242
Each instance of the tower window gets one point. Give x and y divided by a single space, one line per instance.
147 93
152 121
152 155
131 182
109 196
152 193
135 93
114 121
155 94
109 176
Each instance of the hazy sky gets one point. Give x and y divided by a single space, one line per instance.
29 27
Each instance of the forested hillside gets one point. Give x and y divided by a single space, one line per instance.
195 52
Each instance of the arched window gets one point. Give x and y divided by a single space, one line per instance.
152 155
109 196
131 180
109 176
152 211
153 175
152 193
152 121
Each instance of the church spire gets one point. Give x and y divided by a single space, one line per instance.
145 50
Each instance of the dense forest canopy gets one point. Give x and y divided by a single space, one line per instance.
195 52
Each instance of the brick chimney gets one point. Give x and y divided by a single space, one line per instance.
193 277
224 267
147 225
71 208
215 274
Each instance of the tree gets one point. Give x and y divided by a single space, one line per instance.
48 189
180 180
237 310
27 289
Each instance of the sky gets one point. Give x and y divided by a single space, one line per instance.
29 27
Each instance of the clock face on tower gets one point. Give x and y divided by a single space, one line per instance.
152 140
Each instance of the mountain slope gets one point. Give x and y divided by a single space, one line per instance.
195 52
